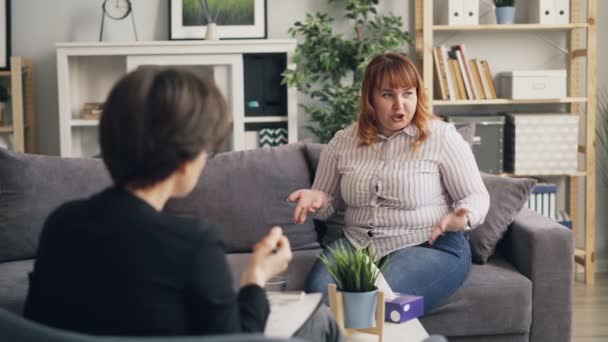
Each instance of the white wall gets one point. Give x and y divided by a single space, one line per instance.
38 24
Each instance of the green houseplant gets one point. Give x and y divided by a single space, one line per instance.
505 11
330 65
355 273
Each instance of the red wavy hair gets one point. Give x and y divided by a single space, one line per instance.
400 72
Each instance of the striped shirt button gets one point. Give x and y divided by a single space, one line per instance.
370 233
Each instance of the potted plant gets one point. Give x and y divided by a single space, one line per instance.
330 65
355 273
4 97
505 11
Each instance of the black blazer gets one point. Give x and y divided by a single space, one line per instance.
113 265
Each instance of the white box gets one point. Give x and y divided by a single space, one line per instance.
550 11
532 84
457 12
537 144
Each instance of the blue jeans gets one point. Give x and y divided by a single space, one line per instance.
434 272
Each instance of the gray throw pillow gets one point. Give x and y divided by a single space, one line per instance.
507 198
31 186
245 193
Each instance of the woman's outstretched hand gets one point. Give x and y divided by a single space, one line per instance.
452 222
270 256
308 202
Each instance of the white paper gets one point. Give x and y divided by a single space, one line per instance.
289 311
383 286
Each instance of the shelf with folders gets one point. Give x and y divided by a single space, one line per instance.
18 122
580 35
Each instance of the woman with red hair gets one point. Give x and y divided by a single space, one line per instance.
408 182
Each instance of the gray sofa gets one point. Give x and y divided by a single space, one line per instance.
522 293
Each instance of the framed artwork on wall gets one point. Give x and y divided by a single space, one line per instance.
5 36
188 19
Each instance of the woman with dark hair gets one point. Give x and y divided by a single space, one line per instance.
409 184
115 264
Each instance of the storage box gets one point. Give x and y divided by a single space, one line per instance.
541 144
488 141
458 12
403 308
533 84
549 12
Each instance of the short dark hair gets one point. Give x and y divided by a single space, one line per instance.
157 118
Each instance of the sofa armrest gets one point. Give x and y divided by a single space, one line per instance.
543 251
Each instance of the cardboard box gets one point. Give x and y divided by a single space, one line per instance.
533 84
403 308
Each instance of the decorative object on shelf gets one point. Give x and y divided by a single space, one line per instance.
505 11
270 137
459 12
5 37
601 131
550 12
91 111
117 10
330 65
533 84
211 32
191 19
4 97
355 272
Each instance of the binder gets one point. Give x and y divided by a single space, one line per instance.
470 10
561 11
451 12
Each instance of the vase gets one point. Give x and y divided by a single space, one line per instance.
505 15
359 309
211 33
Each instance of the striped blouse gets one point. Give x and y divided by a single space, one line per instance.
393 195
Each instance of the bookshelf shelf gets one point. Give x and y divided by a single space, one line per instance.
507 101
581 65
575 174
514 27
84 123
6 129
256 119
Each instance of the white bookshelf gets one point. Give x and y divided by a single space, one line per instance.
87 71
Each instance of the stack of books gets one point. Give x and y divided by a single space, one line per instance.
542 200
459 78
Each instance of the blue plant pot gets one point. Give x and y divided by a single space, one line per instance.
359 309
505 15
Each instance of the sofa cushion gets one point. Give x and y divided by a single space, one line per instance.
245 194
494 299
507 197
14 284
31 186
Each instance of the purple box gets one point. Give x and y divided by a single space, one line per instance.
403 308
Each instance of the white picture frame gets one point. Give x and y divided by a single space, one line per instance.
5 36
180 30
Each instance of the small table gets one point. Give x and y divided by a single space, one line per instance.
410 331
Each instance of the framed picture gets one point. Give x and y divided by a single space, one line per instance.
234 18
5 36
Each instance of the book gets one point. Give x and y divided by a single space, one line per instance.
466 72
489 78
448 75
477 80
484 80
463 73
440 83
457 77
